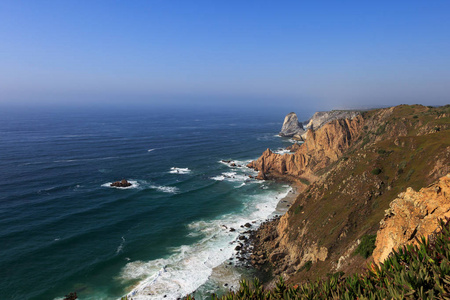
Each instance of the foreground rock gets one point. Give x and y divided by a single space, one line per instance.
122 183
412 214
292 127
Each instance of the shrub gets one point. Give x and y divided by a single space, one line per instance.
298 209
306 266
381 129
304 181
408 176
367 245
376 171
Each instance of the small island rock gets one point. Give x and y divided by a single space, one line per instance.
122 183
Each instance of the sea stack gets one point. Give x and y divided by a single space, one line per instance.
292 127
122 183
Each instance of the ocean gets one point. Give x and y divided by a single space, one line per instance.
64 229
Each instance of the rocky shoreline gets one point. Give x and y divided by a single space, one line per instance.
248 252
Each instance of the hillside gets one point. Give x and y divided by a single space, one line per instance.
419 271
350 170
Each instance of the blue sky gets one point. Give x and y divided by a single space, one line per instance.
329 54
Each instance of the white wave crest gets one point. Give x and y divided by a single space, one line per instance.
232 177
175 170
165 189
283 151
120 248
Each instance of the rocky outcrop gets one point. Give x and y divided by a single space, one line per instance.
320 118
291 126
322 147
122 183
412 214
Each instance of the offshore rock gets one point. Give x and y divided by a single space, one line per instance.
291 126
412 214
122 183
320 118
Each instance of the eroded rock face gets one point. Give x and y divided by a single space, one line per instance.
412 214
320 118
291 126
322 147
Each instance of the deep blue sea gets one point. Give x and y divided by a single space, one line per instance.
64 229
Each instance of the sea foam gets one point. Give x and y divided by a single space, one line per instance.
175 170
190 267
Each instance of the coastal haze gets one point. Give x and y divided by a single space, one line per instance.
321 54
179 98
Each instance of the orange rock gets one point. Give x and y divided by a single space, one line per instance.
412 214
321 147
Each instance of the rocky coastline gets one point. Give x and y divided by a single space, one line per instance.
349 170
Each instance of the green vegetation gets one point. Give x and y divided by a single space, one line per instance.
408 176
306 266
304 181
376 171
367 245
298 209
381 129
412 272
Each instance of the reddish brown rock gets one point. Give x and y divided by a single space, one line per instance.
412 214
122 183
261 176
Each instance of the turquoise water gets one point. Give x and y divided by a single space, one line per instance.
63 229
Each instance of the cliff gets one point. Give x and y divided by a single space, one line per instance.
322 147
354 169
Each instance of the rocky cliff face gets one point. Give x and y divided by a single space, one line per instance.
322 146
291 126
355 168
413 214
322 117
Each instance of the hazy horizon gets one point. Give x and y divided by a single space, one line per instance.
321 55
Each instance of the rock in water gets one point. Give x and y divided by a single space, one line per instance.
291 126
122 183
